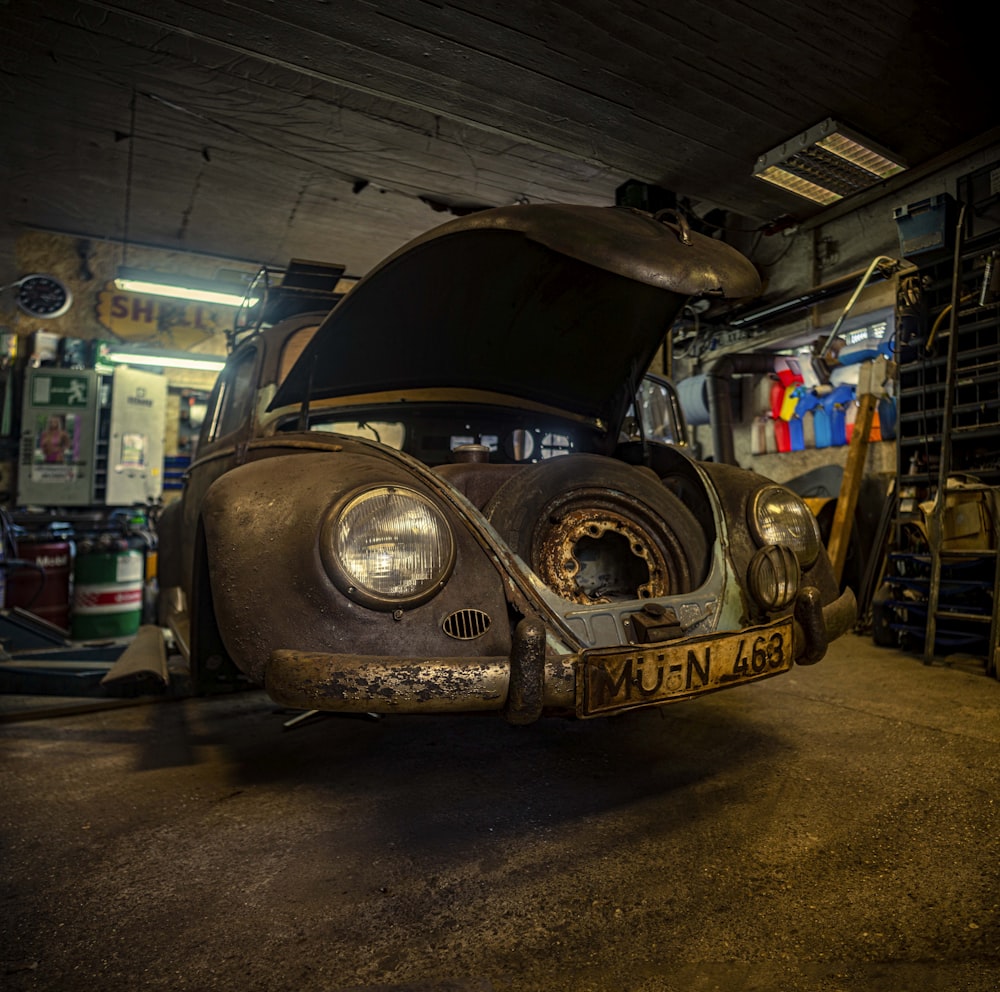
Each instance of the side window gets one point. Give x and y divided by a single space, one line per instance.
294 347
232 398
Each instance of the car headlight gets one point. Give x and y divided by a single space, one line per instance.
779 516
387 547
773 576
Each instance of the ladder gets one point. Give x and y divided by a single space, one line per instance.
936 518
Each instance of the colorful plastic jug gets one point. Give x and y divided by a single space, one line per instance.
782 437
821 427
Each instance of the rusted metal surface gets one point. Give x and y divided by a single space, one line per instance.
552 557
628 242
267 573
526 695
809 616
622 679
655 622
365 684
556 272
343 664
594 556
602 681
817 626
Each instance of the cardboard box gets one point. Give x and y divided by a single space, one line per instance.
967 523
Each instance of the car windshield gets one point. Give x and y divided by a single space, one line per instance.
390 432
432 432
519 445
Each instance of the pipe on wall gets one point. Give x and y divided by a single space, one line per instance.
718 375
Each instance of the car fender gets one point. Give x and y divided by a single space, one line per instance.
270 589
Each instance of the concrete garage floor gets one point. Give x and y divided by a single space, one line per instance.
832 830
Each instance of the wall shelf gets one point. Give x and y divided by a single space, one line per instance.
942 582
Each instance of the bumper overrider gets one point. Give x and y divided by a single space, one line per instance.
535 679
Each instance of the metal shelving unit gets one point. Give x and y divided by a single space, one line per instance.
943 574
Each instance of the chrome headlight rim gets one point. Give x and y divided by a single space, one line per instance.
349 583
774 576
806 544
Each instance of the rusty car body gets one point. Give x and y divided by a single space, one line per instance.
456 492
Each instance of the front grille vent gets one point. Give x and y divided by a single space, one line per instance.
466 625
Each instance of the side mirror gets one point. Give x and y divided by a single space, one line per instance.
660 411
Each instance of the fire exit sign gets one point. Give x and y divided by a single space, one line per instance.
59 390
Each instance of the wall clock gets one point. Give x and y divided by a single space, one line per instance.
43 296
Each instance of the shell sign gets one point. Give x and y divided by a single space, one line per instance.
136 317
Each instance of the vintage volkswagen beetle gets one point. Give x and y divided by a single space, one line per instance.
458 494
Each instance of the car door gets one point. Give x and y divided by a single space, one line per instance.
225 433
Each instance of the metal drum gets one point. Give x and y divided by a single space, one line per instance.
38 578
107 589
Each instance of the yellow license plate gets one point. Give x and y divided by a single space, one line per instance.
624 678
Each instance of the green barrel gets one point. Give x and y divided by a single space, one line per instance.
107 593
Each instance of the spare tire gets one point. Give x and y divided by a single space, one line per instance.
596 530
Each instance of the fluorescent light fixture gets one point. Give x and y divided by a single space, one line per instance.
182 287
167 359
827 163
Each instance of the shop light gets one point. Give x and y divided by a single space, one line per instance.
167 359
827 163
182 287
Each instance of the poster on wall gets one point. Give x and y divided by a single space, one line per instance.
58 422
133 451
57 447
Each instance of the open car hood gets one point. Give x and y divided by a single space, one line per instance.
561 305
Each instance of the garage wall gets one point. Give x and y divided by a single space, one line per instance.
88 267
794 261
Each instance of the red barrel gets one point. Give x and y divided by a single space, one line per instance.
38 578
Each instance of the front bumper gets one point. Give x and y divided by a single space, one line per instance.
531 681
